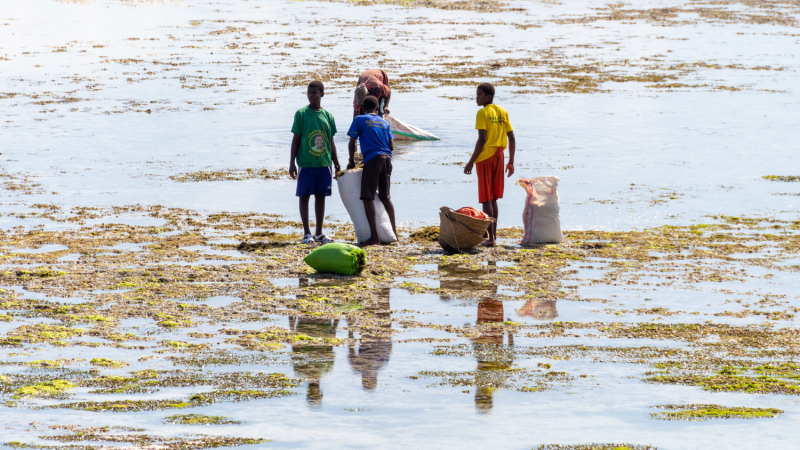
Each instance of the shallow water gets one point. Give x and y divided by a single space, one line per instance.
626 147
101 102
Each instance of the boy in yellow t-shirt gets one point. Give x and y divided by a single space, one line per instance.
495 133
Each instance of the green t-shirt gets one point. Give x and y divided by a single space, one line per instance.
316 129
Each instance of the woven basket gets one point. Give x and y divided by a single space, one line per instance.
459 233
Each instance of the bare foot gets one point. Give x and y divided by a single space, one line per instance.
488 243
370 241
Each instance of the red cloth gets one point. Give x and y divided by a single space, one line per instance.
490 177
377 83
472 212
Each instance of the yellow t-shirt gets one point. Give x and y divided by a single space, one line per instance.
494 120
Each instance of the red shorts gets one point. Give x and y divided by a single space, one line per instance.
490 177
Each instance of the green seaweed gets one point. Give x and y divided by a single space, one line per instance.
127 405
41 333
106 362
787 178
198 419
46 363
47 389
706 412
425 235
731 383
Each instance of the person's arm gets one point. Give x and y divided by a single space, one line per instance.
295 149
356 106
478 149
334 156
391 145
512 147
386 102
351 146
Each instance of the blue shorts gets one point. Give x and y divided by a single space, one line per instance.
314 181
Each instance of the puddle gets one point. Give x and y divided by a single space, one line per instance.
212 262
220 301
43 296
110 291
131 247
459 270
285 282
206 250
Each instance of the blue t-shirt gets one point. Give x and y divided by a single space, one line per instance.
374 134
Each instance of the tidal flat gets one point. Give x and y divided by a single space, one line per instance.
153 293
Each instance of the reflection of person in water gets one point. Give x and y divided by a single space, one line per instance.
374 349
539 309
312 362
489 351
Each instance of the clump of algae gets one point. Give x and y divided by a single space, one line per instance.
787 178
425 234
198 419
231 175
110 363
727 381
273 338
40 333
46 363
706 412
47 389
128 405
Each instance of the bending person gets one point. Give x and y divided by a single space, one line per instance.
372 82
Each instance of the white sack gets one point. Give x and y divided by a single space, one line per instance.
542 214
405 132
349 184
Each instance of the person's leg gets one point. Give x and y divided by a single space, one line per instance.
498 186
484 172
490 208
387 203
369 184
322 188
493 226
304 214
305 187
319 210
384 193
369 209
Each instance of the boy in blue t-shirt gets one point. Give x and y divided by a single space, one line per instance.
314 150
376 137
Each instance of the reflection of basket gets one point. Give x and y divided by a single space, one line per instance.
459 232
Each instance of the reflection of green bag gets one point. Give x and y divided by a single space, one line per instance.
344 259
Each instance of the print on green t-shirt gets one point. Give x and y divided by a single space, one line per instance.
316 129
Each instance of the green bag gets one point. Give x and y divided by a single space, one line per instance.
344 259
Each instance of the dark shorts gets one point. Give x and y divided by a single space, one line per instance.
314 181
376 176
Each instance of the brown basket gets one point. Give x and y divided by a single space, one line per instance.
459 233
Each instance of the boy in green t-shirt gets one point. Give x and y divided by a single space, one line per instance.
314 150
